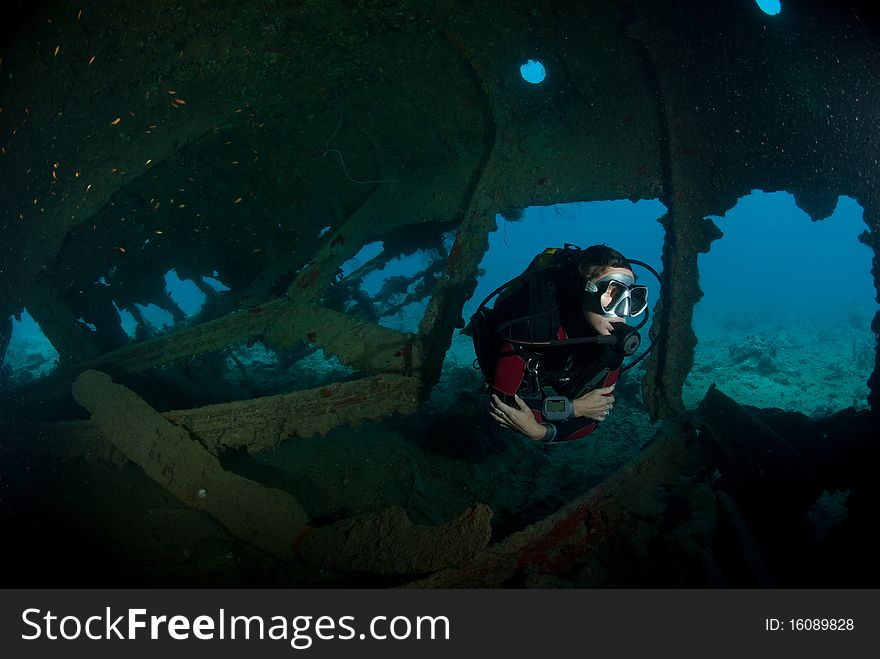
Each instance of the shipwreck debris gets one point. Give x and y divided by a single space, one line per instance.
265 517
765 475
388 543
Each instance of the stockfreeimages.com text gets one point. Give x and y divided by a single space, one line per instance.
301 631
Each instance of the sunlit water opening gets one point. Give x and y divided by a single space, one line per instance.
769 7
533 72
29 355
785 321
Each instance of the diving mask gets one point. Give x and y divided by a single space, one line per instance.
626 299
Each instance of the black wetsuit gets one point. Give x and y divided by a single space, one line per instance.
569 370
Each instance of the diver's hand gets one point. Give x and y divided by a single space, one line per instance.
519 418
595 404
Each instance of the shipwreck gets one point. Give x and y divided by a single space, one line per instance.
264 145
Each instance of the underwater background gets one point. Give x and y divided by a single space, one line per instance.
272 436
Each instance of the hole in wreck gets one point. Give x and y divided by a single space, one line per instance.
390 282
184 293
769 7
159 319
215 283
791 327
533 72
183 301
127 321
256 370
30 355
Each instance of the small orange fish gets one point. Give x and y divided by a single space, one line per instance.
238 200
57 49
116 121
178 101
181 205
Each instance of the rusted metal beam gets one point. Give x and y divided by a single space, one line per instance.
267 518
72 339
358 343
208 336
261 423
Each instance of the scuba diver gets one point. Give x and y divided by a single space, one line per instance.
552 346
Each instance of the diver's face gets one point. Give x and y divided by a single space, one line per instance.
600 323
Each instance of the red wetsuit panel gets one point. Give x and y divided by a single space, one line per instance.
509 372
509 375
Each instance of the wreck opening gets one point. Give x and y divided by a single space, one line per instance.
215 283
389 282
184 293
785 320
533 71
769 7
127 321
254 369
154 320
29 354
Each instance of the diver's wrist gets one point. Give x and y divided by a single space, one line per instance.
538 432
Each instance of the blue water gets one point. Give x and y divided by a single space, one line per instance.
774 263
631 228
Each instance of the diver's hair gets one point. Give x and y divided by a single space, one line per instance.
595 258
